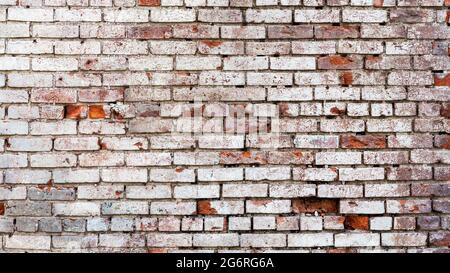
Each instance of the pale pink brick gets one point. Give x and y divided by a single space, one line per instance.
169 240
55 31
408 206
267 48
386 190
310 240
317 16
30 15
78 144
148 159
361 174
216 240
244 190
268 206
394 157
340 191
173 208
148 192
243 32
255 78
222 174
361 207
404 239
338 158
172 175
221 78
263 240
103 158
52 160
124 175
19 144
196 158
356 239
292 190
76 175
316 141
196 191
272 173
100 192
315 174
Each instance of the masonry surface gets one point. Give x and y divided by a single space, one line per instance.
224 125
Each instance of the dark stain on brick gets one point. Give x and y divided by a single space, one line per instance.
2 208
337 111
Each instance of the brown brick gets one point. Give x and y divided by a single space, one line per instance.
311 205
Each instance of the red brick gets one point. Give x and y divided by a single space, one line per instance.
363 142
149 3
74 111
442 80
353 222
204 207
346 78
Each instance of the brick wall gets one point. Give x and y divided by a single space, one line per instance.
218 125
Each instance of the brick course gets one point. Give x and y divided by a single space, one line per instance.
232 125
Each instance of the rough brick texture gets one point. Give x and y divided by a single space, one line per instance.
224 125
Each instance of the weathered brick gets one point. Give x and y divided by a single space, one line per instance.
403 239
408 206
31 242
207 125
263 240
356 239
361 207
